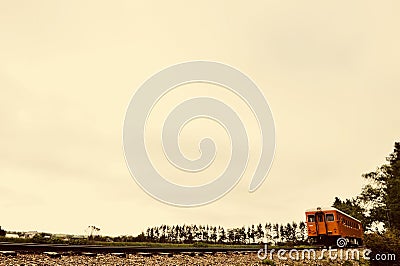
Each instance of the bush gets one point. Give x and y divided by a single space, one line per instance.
268 262
387 243
200 245
347 263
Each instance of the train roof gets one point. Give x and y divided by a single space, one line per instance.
331 209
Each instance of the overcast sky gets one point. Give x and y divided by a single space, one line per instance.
329 70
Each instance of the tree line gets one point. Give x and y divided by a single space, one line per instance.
272 233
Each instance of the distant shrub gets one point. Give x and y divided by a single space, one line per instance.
200 245
268 262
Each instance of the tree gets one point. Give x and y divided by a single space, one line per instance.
382 195
2 232
231 235
282 232
289 233
252 233
268 232
260 233
214 234
353 207
242 235
91 230
189 235
196 232
171 234
379 201
177 233
205 234
222 235
276 233
294 231
302 233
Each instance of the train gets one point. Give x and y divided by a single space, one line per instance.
327 225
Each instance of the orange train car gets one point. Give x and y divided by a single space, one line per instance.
326 225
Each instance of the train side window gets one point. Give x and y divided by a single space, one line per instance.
330 217
311 218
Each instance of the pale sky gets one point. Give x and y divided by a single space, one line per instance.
329 71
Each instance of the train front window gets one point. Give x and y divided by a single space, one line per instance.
330 217
311 218
320 218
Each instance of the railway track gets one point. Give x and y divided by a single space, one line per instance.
97 249
63 248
